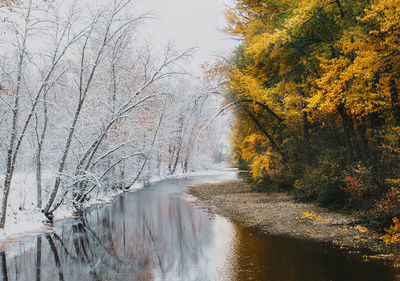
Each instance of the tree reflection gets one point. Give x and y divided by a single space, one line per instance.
4 265
149 236
152 238
38 257
56 257
155 235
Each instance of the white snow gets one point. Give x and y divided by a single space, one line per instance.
23 217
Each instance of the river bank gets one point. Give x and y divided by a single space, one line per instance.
30 220
279 214
156 233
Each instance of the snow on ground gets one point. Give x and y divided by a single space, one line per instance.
24 217
22 214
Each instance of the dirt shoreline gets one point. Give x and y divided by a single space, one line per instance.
279 214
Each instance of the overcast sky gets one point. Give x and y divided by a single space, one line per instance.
190 23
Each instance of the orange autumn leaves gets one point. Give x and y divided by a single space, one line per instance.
392 236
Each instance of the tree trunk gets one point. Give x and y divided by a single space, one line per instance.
306 127
274 145
39 154
363 142
39 178
340 8
13 136
395 102
57 183
346 129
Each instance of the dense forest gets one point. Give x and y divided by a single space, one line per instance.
315 87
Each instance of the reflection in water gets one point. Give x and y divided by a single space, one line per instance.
4 265
38 257
280 258
154 234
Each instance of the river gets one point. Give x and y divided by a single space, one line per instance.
157 233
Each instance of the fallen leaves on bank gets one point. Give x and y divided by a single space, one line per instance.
279 214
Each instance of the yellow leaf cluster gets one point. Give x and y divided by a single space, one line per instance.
393 233
362 229
309 215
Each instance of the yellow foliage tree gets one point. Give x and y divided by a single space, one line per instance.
316 83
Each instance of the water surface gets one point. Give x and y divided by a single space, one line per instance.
157 234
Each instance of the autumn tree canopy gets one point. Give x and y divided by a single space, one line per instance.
315 84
